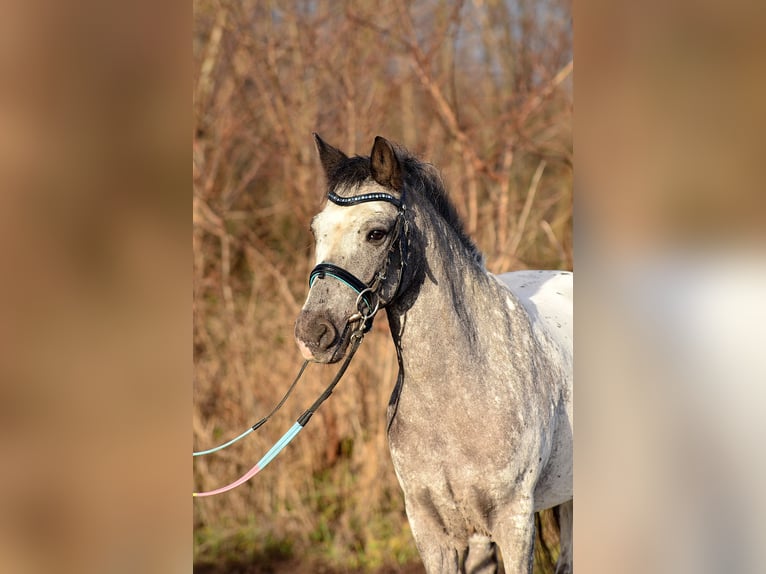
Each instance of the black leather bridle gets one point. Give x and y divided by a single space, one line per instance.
367 293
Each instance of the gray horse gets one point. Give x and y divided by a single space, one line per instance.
480 419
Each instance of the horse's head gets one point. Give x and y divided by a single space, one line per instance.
360 242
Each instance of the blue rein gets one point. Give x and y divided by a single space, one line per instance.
356 340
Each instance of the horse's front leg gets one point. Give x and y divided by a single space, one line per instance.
482 556
439 553
565 515
515 535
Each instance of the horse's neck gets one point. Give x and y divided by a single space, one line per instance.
459 320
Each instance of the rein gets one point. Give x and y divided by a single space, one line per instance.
261 422
356 340
367 294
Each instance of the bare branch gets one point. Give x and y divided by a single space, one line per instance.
522 223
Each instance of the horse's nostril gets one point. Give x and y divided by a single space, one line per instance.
325 334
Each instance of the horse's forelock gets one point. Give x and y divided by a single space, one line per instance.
349 174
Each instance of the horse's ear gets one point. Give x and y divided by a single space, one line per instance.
386 169
328 155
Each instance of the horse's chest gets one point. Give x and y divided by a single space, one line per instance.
446 474
458 500
482 435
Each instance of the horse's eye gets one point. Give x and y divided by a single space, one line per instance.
376 235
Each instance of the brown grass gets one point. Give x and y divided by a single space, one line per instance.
499 128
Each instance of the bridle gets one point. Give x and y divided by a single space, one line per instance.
367 293
368 303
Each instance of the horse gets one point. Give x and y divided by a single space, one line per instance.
480 418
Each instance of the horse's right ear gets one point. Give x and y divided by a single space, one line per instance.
385 166
328 155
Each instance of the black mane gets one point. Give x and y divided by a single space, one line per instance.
420 178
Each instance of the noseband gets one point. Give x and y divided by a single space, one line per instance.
367 293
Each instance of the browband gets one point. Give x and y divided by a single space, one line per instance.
364 198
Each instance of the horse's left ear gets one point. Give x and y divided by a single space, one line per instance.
386 169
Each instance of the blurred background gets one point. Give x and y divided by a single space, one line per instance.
480 89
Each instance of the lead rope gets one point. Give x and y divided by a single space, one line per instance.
356 340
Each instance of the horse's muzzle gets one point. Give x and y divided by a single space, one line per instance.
317 337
